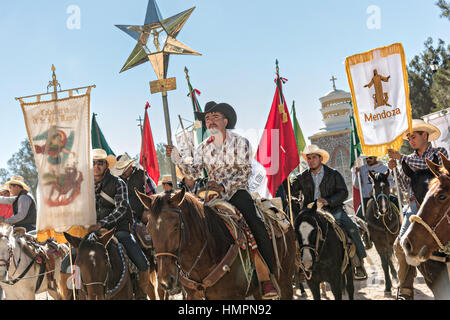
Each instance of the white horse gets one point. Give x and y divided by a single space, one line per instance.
19 273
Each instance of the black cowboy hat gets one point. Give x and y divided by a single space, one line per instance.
223 108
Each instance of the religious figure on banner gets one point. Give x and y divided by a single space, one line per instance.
65 183
380 98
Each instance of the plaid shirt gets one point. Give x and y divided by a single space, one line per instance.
120 200
417 162
229 165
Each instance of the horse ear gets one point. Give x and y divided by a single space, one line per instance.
371 175
178 198
407 169
433 167
445 161
74 241
105 238
387 173
145 199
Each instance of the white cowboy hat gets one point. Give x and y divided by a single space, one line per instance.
419 125
165 179
4 188
123 163
19 181
100 154
313 149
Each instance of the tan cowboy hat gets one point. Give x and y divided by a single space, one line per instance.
419 125
313 149
4 188
100 154
123 163
19 181
165 179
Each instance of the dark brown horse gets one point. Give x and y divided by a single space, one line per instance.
427 241
103 267
193 246
383 222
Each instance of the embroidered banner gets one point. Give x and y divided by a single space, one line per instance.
441 120
378 82
60 135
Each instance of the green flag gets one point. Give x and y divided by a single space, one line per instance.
97 139
355 146
301 143
200 132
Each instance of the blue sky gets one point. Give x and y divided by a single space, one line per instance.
239 42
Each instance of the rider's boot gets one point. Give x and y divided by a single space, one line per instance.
265 278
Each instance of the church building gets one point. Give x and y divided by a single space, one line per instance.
334 137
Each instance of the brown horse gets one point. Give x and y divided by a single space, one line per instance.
193 243
427 241
383 222
103 267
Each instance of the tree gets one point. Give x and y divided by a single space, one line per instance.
445 7
421 77
4 176
440 90
22 164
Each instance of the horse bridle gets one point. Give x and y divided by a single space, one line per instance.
316 250
104 283
177 256
381 215
443 248
3 262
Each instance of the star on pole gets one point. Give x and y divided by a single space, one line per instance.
148 36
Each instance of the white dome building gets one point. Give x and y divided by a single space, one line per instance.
336 109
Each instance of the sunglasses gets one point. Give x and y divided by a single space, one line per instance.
99 163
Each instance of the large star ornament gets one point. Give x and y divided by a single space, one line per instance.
156 29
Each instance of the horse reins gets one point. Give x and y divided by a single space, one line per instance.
383 215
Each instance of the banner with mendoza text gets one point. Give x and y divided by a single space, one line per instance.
59 135
378 82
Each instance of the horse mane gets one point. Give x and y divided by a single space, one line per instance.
89 240
210 225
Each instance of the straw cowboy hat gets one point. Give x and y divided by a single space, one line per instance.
4 188
419 125
313 149
19 181
166 179
100 154
224 108
123 163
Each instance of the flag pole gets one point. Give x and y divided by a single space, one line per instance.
398 190
358 174
289 194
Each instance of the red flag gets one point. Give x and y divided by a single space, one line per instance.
356 193
277 150
148 152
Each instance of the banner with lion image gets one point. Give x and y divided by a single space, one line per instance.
378 82
59 133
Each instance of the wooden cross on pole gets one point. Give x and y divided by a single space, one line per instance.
333 78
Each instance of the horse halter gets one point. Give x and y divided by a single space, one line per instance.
3 262
176 255
443 248
375 198
104 283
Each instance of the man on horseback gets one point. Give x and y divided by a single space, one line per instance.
327 186
24 207
372 164
420 140
226 157
114 211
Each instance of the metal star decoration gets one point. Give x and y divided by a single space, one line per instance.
156 28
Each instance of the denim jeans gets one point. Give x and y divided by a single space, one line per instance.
344 221
411 210
133 249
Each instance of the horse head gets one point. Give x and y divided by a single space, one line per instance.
429 230
166 227
93 262
308 234
7 245
381 190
